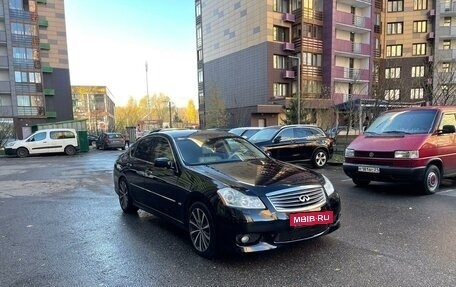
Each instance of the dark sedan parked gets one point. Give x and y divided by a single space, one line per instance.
224 191
295 143
110 141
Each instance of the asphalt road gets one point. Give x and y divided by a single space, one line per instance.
60 225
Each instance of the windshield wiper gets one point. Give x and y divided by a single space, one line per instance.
395 132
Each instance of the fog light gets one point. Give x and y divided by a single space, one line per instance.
245 239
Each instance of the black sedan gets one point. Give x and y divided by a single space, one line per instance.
224 191
295 143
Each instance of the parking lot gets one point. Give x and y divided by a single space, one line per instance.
61 225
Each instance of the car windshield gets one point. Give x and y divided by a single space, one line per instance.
217 150
264 134
407 122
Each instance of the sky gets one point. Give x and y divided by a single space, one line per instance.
110 41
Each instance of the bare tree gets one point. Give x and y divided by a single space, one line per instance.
6 131
216 115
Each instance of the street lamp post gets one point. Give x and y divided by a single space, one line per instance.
170 117
299 86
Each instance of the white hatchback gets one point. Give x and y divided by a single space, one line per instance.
45 141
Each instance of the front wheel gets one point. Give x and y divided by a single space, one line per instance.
22 152
431 182
201 229
125 200
320 158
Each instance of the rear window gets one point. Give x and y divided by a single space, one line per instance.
114 136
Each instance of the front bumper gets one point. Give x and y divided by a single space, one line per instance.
10 151
269 230
386 173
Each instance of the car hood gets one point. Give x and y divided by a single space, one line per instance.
260 176
15 144
389 142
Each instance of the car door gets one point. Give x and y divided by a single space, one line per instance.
162 181
447 143
306 143
39 143
140 156
283 145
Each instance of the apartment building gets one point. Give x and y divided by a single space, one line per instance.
34 71
259 55
95 104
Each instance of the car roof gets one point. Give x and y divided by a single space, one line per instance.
438 108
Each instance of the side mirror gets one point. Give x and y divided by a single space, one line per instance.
277 139
163 162
448 129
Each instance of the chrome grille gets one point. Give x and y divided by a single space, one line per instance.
288 200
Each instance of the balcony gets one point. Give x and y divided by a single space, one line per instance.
290 47
6 111
446 55
448 9
2 37
357 3
352 23
288 74
5 87
349 75
447 32
288 17
353 50
4 62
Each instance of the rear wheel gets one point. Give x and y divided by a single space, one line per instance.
431 182
70 150
201 229
22 152
320 158
125 200
360 182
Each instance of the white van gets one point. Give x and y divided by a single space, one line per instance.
45 141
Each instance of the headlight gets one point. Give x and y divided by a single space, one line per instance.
10 144
349 152
234 198
329 188
406 154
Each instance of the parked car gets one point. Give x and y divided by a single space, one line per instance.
246 132
45 141
224 191
414 145
295 143
92 139
110 141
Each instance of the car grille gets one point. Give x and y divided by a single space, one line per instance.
298 199
300 234
374 154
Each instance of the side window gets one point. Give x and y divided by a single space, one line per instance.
286 134
38 137
302 132
448 119
54 135
69 135
162 148
144 149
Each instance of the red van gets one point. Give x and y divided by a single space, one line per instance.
413 145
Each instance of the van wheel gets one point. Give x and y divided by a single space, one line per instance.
360 182
22 152
320 158
431 182
70 150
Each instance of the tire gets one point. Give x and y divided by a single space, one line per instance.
125 200
22 152
201 229
431 180
360 182
319 158
70 150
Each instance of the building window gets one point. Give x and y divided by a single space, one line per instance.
19 5
394 28
199 36
23 29
393 73
27 77
312 87
446 67
394 50
200 76
395 5
417 71
282 6
296 4
279 62
198 8
419 49
280 90
446 45
23 101
420 26
392 94
416 93
200 55
297 31
312 31
310 59
420 4
447 21
281 34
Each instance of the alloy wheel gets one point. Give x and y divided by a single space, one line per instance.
200 229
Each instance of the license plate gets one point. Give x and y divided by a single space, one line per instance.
368 169
311 218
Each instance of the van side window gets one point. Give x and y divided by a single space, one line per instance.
447 119
38 137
